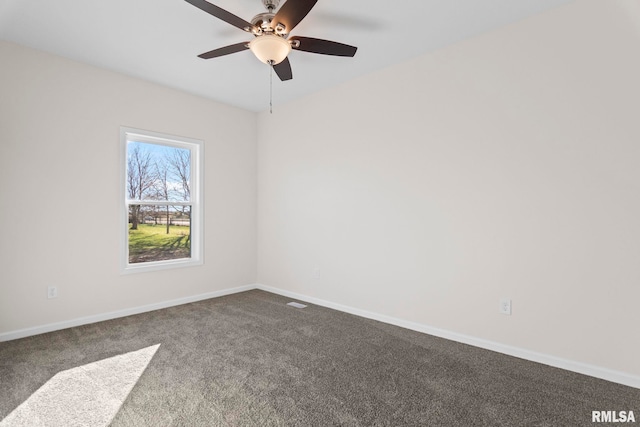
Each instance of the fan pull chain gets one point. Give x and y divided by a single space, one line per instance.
271 89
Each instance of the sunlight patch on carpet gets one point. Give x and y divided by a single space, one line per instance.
88 396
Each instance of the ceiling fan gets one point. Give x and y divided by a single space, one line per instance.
271 29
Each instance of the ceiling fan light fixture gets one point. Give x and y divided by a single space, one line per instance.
270 49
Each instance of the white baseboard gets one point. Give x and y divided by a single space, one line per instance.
569 365
22 333
557 362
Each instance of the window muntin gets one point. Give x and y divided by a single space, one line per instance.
162 201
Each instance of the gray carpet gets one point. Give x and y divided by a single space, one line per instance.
249 359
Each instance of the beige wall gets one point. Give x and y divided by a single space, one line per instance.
59 176
503 166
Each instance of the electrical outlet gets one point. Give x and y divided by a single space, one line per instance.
52 292
505 306
316 273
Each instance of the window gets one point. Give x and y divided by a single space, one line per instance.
162 203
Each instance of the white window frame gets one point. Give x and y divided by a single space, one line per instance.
197 210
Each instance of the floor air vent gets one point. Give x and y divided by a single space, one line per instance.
296 305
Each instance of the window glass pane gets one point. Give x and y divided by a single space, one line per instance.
158 172
158 233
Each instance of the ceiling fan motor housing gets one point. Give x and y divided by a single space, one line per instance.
263 21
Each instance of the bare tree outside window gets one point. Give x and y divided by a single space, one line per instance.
139 180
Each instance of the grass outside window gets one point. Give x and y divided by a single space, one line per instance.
150 242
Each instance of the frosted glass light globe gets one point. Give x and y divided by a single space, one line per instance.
270 49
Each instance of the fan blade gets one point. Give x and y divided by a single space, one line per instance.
324 47
222 14
238 47
283 70
291 13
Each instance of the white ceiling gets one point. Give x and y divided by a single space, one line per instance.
159 40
